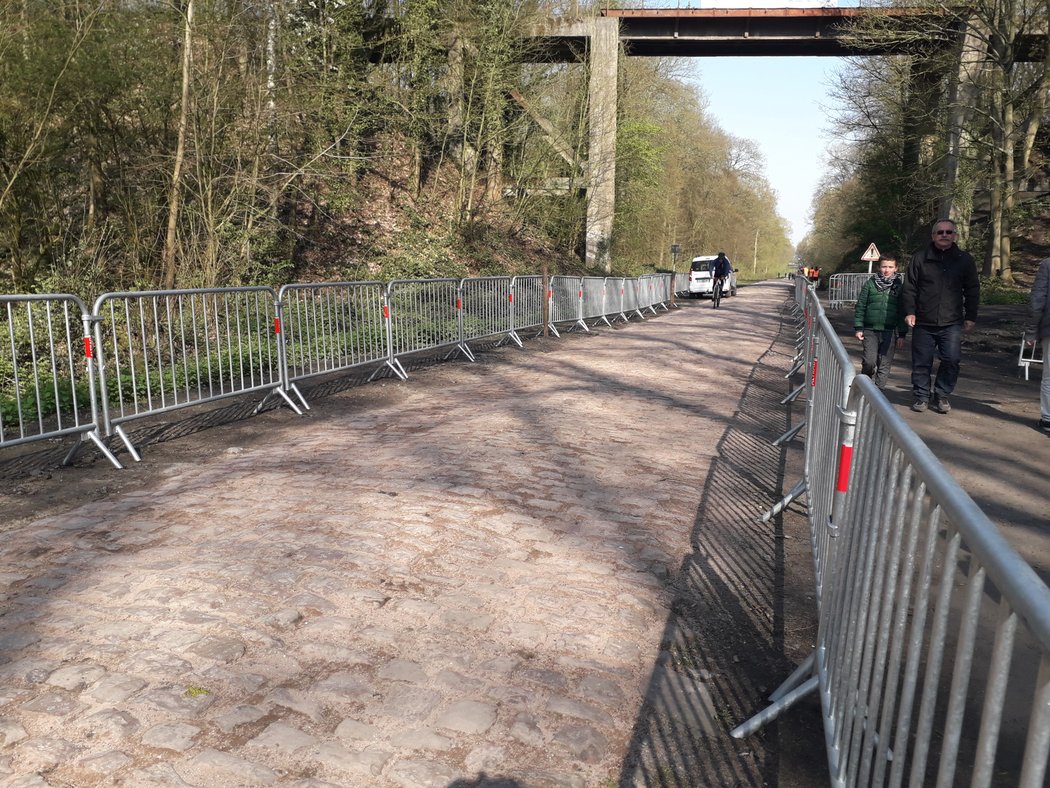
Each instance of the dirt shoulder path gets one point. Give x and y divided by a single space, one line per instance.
542 569
989 442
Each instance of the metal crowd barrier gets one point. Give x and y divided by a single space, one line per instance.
146 353
843 289
328 328
630 302
47 372
932 659
487 309
162 350
422 315
680 283
595 289
648 295
566 303
528 293
661 291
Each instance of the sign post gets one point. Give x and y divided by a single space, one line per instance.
675 249
871 255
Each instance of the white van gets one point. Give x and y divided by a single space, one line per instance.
700 283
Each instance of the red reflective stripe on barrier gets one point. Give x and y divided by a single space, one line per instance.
814 381
277 325
510 297
845 458
581 293
550 293
87 347
459 304
386 312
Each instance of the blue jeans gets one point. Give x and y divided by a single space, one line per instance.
946 341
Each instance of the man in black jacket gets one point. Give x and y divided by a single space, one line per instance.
940 296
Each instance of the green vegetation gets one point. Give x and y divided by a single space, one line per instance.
957 129
995 291
205 144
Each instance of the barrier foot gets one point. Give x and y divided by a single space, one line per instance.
795 369
394 366
639 313
791 433
288 400
554 330
602 319
299 394
774 710
783 503
622 317
466 351
127 443
99 444
793 395
513 336
582 324
280 393
802 672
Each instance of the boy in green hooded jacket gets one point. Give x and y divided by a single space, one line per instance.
878 321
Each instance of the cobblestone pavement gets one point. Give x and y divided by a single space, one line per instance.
498 574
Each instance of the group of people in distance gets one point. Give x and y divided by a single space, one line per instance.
936 298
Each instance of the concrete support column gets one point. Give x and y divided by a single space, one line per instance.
603 55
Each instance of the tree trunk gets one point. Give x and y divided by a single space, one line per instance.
271 76
1009 192
961 103
180 153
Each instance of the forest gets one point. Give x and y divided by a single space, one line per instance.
954 126
214 142
152 144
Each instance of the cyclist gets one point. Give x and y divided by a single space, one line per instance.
720 270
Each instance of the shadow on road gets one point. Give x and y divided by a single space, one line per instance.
743 592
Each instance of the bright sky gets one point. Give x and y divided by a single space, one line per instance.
782 105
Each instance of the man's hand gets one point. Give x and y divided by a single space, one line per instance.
910 320
859 335
968 325
1029 343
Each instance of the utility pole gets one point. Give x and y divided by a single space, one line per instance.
754 262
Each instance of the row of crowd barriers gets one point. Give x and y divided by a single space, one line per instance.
932 658
67 370
844 289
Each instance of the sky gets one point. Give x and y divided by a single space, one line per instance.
782 105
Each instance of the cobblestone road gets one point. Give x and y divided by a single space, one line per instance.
493 574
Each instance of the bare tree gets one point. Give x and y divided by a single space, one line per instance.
168 261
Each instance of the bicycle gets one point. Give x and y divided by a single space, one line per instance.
716 293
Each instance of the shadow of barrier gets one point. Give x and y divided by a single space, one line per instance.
932 661
725 633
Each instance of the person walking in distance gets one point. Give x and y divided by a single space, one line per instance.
1038 330
878 321
940 298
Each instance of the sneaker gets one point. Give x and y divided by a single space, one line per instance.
919 405
941 405
1044 425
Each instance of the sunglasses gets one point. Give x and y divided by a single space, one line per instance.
944 232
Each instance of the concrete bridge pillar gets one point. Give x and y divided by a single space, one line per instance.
603 36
